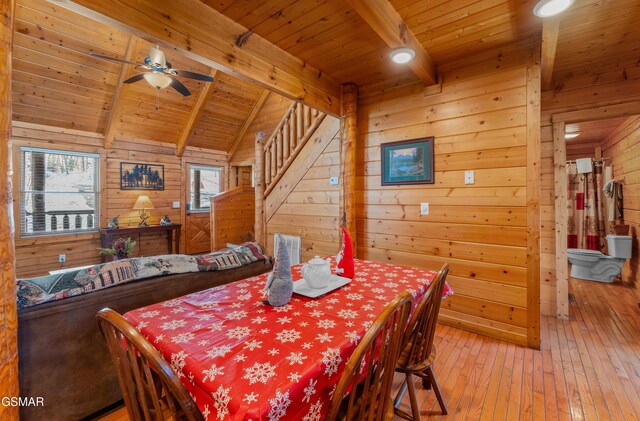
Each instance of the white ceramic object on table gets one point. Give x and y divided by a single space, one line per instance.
317 273
301 288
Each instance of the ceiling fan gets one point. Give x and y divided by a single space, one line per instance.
161 73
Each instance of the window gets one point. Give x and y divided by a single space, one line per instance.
205 182
58 191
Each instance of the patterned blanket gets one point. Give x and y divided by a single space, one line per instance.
81 281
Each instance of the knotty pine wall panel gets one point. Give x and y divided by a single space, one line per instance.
623 147
36 256
311 209
267 120
479 118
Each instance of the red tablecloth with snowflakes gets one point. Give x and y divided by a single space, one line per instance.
244 360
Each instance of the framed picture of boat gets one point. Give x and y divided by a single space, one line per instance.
407 162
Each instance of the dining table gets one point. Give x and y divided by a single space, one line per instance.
242 359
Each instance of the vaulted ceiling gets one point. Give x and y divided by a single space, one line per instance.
57 82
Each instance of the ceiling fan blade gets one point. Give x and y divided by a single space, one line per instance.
192 75
121 60
178 86
157 57
135 78
114 59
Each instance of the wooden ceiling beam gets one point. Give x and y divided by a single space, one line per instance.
195 114
116 105
255 110
203 34
381 16
550 30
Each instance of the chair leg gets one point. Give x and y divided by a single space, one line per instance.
413 398
436 390
400 394
426 379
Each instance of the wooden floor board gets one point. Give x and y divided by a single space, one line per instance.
588 367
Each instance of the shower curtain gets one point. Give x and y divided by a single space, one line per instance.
585 206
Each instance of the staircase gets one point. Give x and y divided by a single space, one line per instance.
286 142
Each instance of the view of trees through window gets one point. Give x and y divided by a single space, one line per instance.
59 191
205 183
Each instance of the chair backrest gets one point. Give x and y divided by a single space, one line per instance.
422 325
146 379
371 367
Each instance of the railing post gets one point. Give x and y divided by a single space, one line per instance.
258 177
289 136
299 124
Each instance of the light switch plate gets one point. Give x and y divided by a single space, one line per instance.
424 208
333 181
176 204
469 177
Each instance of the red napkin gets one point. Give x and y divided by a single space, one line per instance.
344 259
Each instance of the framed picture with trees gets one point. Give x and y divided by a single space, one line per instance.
407 162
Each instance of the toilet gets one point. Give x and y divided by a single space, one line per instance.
595 266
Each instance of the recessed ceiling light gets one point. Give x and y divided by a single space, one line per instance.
402 55
571 135
548 8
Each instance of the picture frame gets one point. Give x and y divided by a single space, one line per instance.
141 176
407 162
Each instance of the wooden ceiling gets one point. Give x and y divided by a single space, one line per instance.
330 36
593 131
321 42
57 82
596 34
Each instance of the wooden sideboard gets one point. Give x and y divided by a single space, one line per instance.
173 235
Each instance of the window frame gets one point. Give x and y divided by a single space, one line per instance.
205 167
22 149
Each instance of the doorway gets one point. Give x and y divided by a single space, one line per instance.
604 140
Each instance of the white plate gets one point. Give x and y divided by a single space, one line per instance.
301 288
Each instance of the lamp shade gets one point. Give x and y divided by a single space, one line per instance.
157 80
143 202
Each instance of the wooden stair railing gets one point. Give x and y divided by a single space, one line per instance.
232 217
286 142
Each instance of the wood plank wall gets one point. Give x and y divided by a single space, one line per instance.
36 256
267 120
232 217
624 149
603 94
310 210
479 119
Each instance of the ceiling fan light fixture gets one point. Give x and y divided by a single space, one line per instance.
157 80
548 8
402 55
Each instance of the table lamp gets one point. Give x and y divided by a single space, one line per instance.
143 203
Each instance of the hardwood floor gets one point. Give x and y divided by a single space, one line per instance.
588 367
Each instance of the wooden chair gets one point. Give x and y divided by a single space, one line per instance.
148 384
370 380
418 352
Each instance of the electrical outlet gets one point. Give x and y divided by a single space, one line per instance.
424 208
333 181
469 177
62 258
176 204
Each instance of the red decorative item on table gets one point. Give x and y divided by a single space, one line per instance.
344 259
